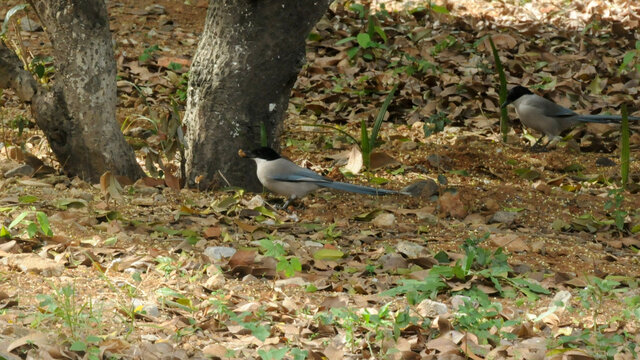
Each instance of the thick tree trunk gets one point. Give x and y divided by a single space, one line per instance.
246 63
78 114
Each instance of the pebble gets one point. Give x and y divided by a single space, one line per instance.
431 309
504 217
217 253
20 170
384 220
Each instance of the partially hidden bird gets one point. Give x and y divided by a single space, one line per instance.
547 117
284 177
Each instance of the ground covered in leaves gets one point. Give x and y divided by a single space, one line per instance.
506 254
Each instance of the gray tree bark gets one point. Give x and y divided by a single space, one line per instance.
247 61
78 114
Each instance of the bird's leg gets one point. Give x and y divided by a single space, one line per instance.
289 200
537 147
538 141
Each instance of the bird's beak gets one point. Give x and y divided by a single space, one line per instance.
504 105
242 154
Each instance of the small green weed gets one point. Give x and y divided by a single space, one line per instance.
478 262
222 312
279 353
32 227
614 206
79 318
435 123
366 42
147 53
288 265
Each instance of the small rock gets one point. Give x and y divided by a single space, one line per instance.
563 297
79 194
542 187
538 247
393 261
29 25
431 309
148 308
142 189
521 269
410 249
504 217
142 201
151 338
250 279
217 253
438 162
491 205
139 132
384 220
458 300
409 145
423 188
294 281
155 9
430 219
20 170
474 219
605 162
79 183
255 202
313 244
510 241
451 205
215 282
35 264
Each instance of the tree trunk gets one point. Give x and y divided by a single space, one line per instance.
78 115
247 61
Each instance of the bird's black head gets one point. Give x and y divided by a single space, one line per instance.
264 152
515 93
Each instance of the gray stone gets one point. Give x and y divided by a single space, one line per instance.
408 146
504 217
77 193
431 309
424 188
29 25
458 300
438 162
313 244
297 281
393 261
217 253
410 249
148 308
430 219
216 281
34 264
384 220
155 9
20 170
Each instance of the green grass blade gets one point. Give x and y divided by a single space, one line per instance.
624 146
380 117
365 144
504 120
336 129
264 141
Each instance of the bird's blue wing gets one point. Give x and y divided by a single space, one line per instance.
552 109
301 175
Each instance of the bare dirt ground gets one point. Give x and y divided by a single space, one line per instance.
152 275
